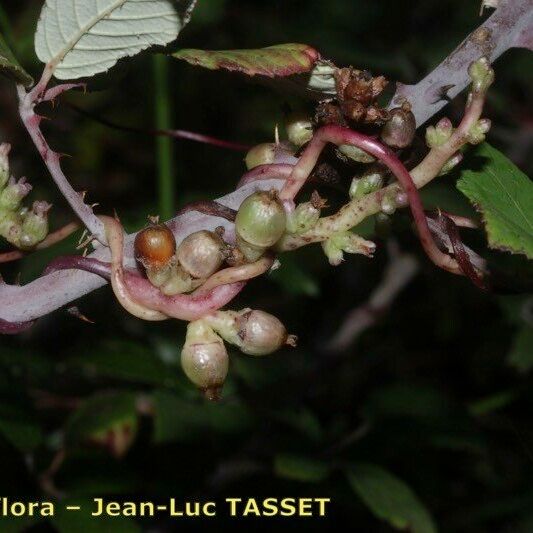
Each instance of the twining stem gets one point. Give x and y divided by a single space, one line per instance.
175 134
236 274
165 155
339 135
115 239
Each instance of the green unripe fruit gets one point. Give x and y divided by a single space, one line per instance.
261 219
204 359
261 333
399 130
254 332
201 253
261 154
299 128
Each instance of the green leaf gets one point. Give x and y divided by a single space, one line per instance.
102 414
521 355
294 278
85 38
125 360
10 67
19 427
180 420
272 61
389 498
504 196
300 468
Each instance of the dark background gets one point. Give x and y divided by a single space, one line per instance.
427 393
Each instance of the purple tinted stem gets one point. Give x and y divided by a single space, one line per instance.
78 262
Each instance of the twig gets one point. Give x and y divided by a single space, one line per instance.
27 102
511 25
175 133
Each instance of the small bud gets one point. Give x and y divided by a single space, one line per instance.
200 254
10 226
333 252
388 203
4 164
482 75
477 132
204 359
299 128
355 154
35 225
261 219
14 193
303 218
367 184
155 247
439 134
261 154
451 163
348 242
400 128
172 280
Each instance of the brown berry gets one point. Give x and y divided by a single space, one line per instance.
155 247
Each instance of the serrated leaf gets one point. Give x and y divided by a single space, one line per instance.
521 355
389 498
300 468
10 67
272 61
504 196
86 38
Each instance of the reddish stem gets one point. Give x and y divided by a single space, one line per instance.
211 208
78 262
176 134
13 328
279 171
